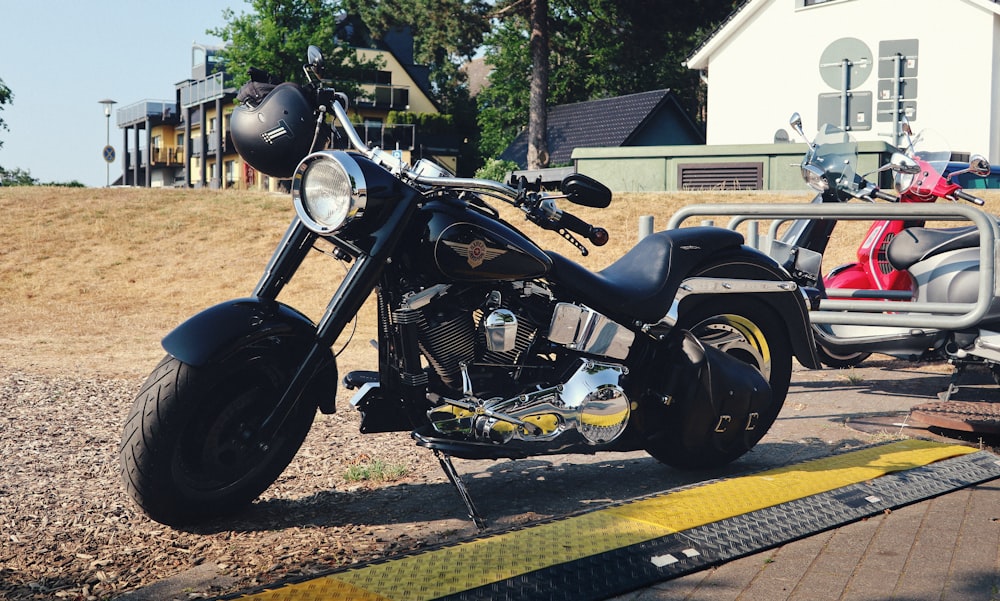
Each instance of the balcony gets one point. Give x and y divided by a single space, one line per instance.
389 137
384 96
156 111
403 137
197 92
168 155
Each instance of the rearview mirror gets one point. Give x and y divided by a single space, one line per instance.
586 191
978 165
901 163
796 122
314 56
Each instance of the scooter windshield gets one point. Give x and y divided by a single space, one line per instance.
931 149
836 154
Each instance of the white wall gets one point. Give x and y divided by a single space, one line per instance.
770 68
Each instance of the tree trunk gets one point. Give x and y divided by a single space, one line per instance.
538 149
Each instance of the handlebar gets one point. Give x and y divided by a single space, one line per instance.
397 166
598 236
970 198
885 196
541 211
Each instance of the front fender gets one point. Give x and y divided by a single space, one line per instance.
851 275
750 264
220 330
215 333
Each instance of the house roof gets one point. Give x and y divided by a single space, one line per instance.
609 122
732 25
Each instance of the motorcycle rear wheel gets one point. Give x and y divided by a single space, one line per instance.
752 332
186 453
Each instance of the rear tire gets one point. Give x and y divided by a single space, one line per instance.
185 454
751 331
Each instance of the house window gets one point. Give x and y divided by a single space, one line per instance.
376 77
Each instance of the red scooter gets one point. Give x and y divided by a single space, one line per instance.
872 272
830 168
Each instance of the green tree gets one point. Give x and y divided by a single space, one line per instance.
17 177
274 37
503 105
598 49
538 90
6 97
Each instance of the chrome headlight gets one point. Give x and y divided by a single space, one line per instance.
902 181
815 178
329 191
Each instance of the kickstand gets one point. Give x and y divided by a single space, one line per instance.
449 470
945 395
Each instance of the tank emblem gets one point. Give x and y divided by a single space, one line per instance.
475 252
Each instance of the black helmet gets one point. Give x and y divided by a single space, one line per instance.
277 133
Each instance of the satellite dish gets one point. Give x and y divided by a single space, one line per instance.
781 137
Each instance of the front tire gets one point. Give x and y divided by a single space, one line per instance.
749 330
838 361
185 453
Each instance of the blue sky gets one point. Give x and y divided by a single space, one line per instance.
60 57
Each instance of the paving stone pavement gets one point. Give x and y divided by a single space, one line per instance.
943 549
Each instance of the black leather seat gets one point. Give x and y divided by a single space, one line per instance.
642 283
915 244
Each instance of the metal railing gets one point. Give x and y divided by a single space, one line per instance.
138 112
169 155
197 92
918 314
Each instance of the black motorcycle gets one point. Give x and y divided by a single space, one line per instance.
488 346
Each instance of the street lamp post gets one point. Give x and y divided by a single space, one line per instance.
109 151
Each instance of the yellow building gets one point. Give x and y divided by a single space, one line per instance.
185 142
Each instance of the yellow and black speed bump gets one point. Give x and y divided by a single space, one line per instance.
616 549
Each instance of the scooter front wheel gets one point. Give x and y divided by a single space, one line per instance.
190 449
840 361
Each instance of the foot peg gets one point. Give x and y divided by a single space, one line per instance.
356 379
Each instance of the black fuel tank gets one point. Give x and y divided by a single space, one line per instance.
464 245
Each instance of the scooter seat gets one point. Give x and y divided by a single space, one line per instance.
643 282
914 244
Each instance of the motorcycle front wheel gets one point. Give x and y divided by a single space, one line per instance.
752 332
189 449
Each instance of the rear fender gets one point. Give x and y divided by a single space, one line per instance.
215 333
746 263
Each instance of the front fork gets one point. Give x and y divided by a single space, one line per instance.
286 259
360 280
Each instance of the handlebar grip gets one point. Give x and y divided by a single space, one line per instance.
885 196
598 236
973 199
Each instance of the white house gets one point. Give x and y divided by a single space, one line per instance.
937 61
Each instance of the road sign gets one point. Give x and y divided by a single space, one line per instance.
109 154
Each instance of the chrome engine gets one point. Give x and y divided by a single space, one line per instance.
590 401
